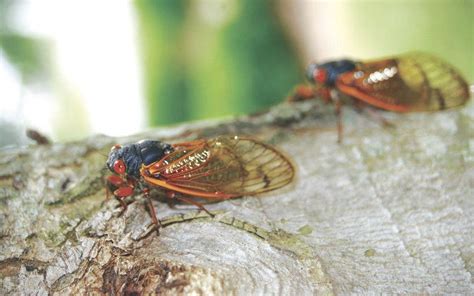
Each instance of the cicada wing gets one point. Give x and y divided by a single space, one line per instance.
411 82
221 168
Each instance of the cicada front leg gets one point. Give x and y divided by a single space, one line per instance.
124 188
302 92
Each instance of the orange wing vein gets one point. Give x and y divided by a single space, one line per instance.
411 82
221 168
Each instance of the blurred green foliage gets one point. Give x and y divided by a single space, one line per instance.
164 73
28 55
210 58
205 59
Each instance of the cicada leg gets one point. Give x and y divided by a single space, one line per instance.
302 93
338 104
362 107
306 92
125 188
120 194
170 200
190 201
114 180
171 195
155 221
325 94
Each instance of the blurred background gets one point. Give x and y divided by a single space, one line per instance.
70 69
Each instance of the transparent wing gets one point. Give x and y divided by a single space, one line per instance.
411 82
220 168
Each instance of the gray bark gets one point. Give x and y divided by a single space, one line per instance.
389 210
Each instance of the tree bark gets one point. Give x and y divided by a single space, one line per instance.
389 210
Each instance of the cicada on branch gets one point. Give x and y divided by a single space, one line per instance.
411 82
213 169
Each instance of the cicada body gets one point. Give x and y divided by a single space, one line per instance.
407 83
213 169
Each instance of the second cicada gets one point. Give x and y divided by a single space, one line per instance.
407 83
213 169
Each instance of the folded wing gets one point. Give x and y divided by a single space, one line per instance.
411 82
221 168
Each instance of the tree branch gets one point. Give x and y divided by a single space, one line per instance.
389 210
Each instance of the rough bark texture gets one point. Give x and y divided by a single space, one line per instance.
389 210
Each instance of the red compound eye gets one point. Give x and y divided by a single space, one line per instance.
320 75
119 167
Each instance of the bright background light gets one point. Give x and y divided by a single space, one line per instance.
96 80
71 69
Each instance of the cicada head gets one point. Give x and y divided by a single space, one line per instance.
316 74
115 161
327 73
128 159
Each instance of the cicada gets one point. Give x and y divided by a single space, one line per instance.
407 83
213 169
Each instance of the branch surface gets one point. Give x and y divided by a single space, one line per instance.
389 210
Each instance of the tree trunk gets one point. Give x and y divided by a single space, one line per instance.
389 210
